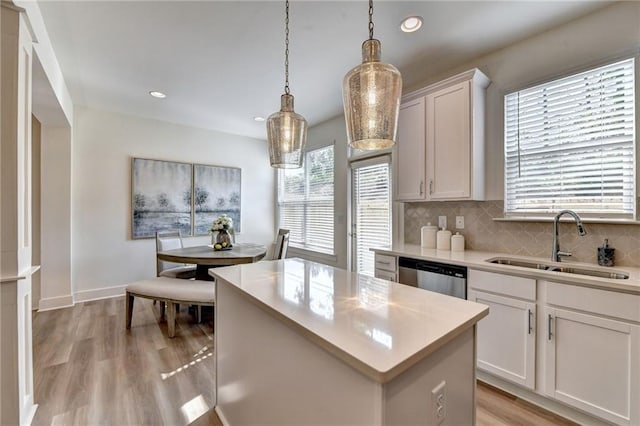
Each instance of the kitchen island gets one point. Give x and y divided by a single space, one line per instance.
299 342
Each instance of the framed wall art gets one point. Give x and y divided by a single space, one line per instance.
169 195
216 192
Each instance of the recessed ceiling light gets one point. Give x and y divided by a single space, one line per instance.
411 24
157 94
258 118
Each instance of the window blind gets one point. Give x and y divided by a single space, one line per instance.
570 144
372 211
305 202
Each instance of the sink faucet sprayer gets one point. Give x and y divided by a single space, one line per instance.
555 255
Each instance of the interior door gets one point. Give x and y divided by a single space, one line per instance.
370 211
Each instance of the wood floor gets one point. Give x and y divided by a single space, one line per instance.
89 370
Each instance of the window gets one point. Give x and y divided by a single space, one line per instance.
305 202
371 210
570 144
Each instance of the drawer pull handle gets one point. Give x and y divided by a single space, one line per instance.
549 325
384 263
530 318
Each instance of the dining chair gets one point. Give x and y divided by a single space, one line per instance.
281 245
170 240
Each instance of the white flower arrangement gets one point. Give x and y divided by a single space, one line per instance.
222 222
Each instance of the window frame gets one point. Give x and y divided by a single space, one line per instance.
603 216
322 256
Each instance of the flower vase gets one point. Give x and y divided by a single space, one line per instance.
223 238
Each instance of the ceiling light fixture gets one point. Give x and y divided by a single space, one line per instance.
286 130
258 119
411 24
157 94
371 93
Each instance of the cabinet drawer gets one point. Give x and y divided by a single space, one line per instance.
594 300
386 275
386 263
508 285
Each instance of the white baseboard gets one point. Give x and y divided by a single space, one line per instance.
541 401
50 303
99 293
221 416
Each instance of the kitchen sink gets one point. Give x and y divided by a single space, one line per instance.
616 275
554 267
518 262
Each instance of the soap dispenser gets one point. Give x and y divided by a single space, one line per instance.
606 254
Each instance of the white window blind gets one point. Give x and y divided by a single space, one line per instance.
305 202
570 144
371 210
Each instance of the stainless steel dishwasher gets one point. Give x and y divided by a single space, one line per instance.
433 276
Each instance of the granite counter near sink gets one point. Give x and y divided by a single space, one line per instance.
479 260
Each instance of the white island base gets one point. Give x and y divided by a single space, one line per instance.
274 368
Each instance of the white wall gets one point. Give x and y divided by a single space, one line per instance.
332 132
588 41
104 257
55 218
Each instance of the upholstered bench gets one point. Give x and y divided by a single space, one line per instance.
171 291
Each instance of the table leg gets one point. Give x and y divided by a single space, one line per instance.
202 273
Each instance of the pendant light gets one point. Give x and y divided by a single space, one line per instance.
286 130
371 93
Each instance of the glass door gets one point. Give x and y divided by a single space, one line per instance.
370 211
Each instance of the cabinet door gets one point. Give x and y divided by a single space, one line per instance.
506 338
409 155
593 364
449 143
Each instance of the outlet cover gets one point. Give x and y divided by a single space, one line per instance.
439 403
459 222
442 222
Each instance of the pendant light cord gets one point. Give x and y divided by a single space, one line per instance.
370 19
286 49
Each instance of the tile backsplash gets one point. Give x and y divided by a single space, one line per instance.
481 232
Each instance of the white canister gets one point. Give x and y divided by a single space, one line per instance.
457 242
428 236
443 240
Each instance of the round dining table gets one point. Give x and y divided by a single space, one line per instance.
206 257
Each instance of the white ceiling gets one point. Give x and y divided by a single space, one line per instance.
221 62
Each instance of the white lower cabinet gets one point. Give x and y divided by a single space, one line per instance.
506 338
587 342
386 267
592 362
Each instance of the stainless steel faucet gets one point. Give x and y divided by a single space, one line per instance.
555 255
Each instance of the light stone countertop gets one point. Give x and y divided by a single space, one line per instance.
477 260
378 327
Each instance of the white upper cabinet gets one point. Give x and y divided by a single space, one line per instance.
409 159
440 149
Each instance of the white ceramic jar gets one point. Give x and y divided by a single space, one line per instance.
443 240
457 242
428 236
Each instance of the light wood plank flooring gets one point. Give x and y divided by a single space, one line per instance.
89 370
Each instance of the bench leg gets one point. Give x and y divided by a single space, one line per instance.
129 309
171 319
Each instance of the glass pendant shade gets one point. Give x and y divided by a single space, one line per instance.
286 136
371 93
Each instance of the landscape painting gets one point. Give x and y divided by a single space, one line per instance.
216 192
161 197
